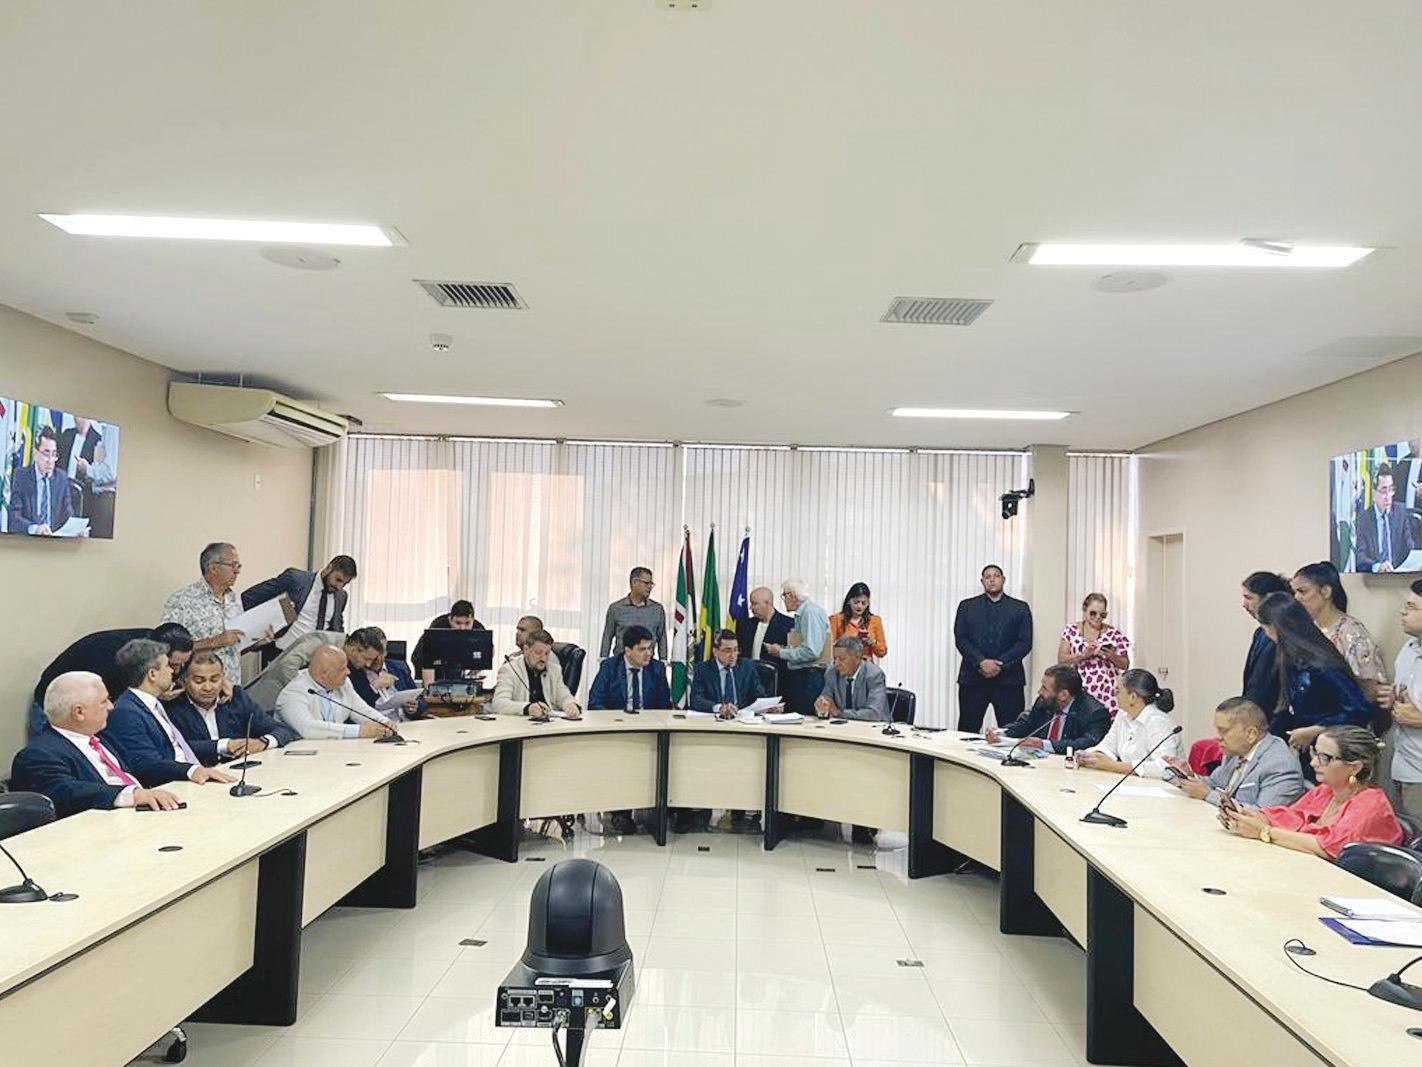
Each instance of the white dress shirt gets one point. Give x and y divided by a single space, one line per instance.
81 742
158 711
209 720
318 715
761 626
305 621
1129 740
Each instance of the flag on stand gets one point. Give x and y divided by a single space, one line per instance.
738 607
683 625
710 618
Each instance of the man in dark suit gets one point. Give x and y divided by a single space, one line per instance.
141 732
993 633
319 600
460 616
634 680
207 718
1078 720
1383 531
39 493
725 683
68 763
766 626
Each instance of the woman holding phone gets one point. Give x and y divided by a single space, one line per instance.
1097 650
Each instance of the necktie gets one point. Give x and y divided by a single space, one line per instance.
1384 538
179 741
849 692
634 691
44 502
1236 776
321 610
107 760
728 687
1055 733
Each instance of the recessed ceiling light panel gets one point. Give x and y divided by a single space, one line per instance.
193 229
977 413
484 401
1256 253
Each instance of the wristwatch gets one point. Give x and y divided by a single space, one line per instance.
1266 836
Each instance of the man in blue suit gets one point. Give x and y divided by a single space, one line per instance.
1384 530
68 763
319 600
141 732
205 719
725 683
39 493
633 680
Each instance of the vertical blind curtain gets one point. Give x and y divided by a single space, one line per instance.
1101 536
552 529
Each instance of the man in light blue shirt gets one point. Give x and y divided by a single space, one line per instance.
807 651
311 702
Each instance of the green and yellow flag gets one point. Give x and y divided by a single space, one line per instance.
709 621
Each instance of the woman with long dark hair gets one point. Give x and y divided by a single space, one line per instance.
855 619
1317 688
1261 669
1319 588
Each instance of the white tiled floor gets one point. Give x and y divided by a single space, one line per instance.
744 959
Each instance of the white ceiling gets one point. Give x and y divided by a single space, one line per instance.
722 203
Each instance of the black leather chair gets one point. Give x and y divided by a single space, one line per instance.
1395 869
903 705
1411 832
23 811
570 658
769 678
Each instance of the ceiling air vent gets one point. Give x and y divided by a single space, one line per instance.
935 310
498 296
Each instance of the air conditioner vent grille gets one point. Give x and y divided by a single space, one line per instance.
935 310
495 296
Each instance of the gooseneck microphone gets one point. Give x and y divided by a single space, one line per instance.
392 738
1011 760
1096 815
27 892
242 789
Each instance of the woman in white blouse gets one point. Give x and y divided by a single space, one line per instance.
1144 721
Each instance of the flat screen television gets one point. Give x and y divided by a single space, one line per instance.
59 472
1375 510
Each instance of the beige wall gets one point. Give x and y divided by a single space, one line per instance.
180 487
1251 493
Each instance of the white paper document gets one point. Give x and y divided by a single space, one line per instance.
73 527
761 706
1371 908
785 718
1394 933
395 698
255 623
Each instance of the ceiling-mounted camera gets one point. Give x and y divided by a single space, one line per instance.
1013 498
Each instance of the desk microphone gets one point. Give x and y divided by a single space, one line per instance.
1096 815
392 738
27 892
1011 760
242 789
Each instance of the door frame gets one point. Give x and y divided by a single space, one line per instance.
1149 539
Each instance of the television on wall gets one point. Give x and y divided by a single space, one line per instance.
59 473
1375 510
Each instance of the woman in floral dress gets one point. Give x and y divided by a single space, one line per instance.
1098 651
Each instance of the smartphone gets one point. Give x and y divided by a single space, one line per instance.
298 752
838 722
1173 774
181 804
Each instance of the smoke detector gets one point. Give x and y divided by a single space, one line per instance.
1130 281
441 342
300 257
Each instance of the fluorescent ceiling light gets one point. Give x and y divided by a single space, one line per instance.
317 233
975 413
1238 254
485 401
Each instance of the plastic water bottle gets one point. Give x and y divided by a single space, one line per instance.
1070 759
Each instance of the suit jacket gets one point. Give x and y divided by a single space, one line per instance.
24 500
1365 531
706 684
609 688
864 696
231 721
51 765
95 653
1261 673
1272 776
1002 631
511 686
134 734
1086 723
777 632
296 584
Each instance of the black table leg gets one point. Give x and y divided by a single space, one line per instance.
772 822
660 816
395 885
499 840
1021 911
925 855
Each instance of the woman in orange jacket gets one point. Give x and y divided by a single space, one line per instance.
856 620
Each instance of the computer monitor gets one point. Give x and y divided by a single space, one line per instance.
395 650
452 652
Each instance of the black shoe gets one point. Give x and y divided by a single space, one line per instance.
746 823
621 822
862 835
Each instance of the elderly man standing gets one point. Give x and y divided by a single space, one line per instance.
854 687
208 606
68 763
806 651
311 703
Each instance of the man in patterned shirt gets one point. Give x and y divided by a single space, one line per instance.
208 606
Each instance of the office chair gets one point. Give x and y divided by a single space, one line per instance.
570 658
903 705
769 678
1411 832
1385 866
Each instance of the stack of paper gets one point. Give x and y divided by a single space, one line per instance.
1375 921
785 718
1371 908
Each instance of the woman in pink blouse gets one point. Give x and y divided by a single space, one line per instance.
1097 650
1343 808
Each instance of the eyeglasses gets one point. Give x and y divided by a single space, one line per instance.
223 563
1323 758
47 452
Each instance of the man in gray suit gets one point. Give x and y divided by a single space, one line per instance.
854 687
1259 768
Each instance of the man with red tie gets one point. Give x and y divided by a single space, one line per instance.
1062 717
68 763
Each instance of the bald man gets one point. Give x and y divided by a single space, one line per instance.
311 702
766 626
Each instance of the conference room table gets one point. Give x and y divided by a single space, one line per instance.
198 913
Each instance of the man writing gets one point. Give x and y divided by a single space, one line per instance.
532 684
1077 719
213 721
319 714
725 683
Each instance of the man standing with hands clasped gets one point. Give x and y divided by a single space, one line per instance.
993 633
